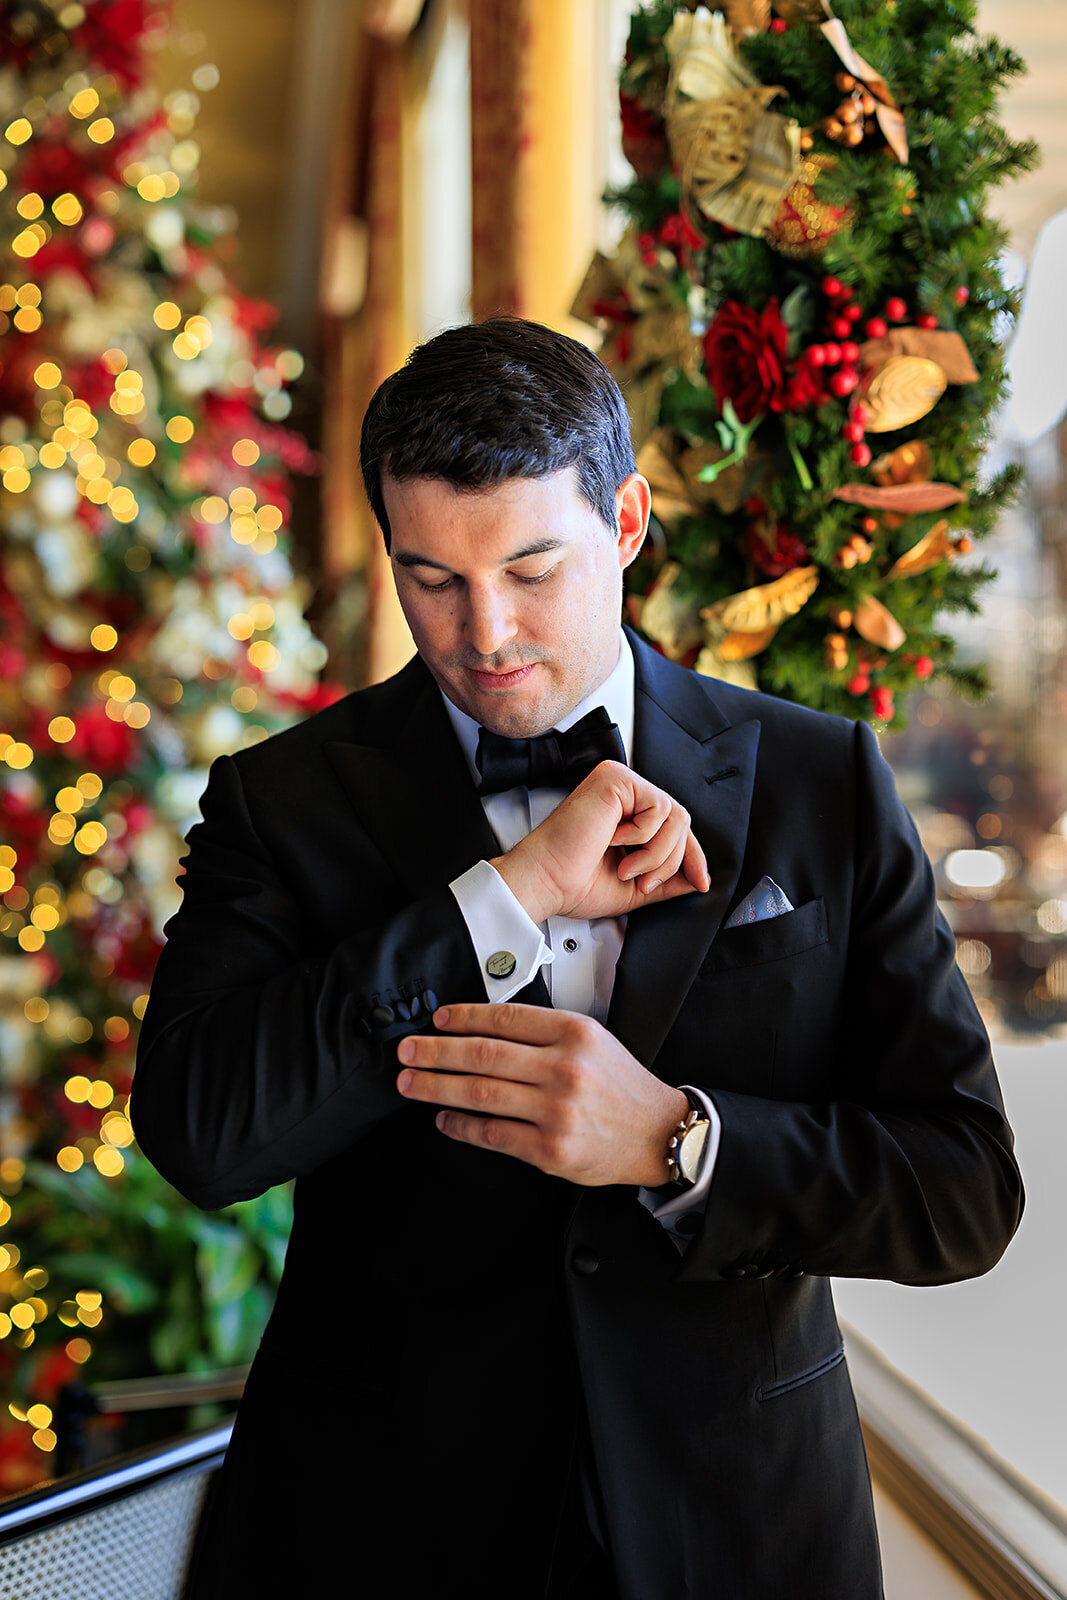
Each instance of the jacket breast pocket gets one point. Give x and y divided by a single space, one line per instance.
753 944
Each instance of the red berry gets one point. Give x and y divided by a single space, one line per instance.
859 684
860 412
861 455
926 319
882 703
833 355
853 432
850 353
778 25
877 328
961 295
853 312
840 327
816 355
895 309
844 380
924 667
832 287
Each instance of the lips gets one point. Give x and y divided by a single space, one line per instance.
501 680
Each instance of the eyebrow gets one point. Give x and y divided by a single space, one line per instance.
539 547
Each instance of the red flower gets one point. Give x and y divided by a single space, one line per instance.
745 355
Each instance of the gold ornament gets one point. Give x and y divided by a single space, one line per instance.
740 646
800 13
875 623
902 391
747 16
711 665
767 605
670 619
670 494
729 487
937 545
856 552
835 646
736 159
803 225
908 463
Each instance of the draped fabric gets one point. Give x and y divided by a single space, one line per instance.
500 35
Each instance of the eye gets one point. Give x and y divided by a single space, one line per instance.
435 588
538 578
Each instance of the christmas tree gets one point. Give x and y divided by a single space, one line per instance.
804 312
149 620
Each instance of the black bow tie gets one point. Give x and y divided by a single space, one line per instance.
551 760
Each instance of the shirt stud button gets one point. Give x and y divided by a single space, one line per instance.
501 964
570 945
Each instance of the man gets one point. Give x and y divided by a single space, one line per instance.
593 1057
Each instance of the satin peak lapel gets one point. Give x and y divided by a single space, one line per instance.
665 944
416 799
414 795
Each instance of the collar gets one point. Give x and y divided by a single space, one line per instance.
615 694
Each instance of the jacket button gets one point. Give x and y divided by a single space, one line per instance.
382 1016
429 999
403 1011
733 1271
585 1262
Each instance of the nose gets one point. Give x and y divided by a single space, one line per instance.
489 623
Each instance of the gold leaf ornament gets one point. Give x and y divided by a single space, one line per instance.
947 349
671 619
901 392
670 493
876 623
704 62
767 605
935 546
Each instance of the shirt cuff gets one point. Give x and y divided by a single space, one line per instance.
683 1213
499 927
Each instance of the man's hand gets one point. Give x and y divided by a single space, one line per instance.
549 1087
615 844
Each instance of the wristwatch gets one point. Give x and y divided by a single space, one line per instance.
685 1147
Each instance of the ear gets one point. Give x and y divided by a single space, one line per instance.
633 506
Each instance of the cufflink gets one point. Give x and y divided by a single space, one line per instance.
501 964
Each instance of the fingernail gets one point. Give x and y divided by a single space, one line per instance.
403 1083
440 1016
406 1050
440 1120
653 885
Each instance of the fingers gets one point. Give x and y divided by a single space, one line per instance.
523 1024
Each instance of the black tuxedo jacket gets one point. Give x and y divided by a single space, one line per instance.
451 1320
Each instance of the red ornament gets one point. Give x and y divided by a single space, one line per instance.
882 703
926 319
895 309
844 381
924 667
861 455
961 295
859 684
877 328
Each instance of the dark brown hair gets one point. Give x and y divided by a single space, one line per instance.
494 400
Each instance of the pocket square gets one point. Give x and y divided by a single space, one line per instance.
765 901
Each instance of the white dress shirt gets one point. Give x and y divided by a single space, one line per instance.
577 957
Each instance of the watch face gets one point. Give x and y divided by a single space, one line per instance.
692 1148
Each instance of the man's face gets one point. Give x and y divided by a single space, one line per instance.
513 594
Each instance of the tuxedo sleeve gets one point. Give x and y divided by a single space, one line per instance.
259 1061
907 1173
